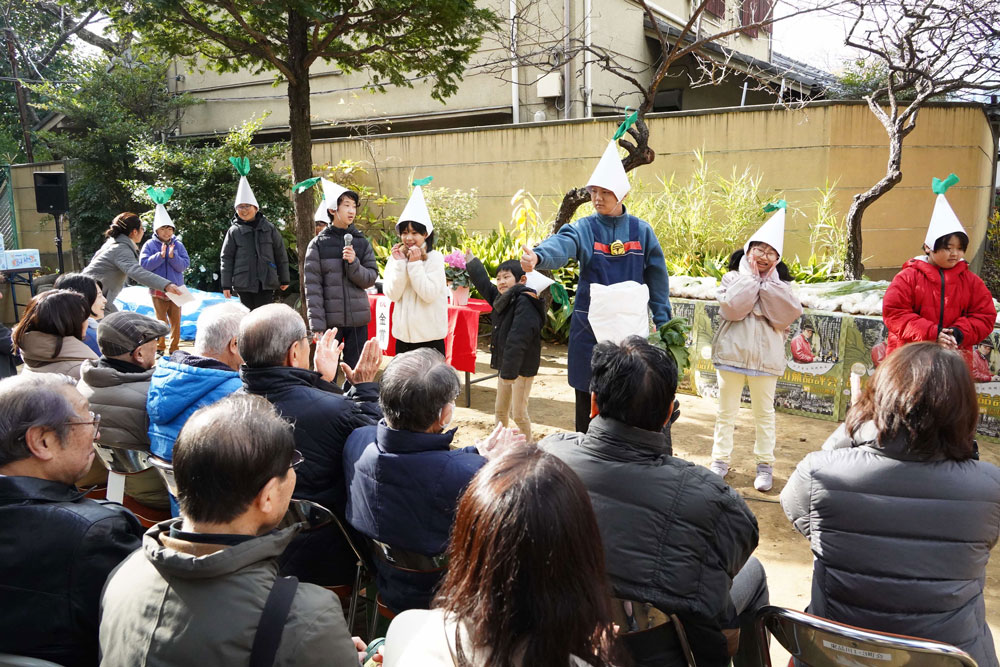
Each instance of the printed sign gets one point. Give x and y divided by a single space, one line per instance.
686 308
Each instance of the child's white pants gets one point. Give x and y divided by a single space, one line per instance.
762 403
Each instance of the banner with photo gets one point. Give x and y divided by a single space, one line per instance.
686 308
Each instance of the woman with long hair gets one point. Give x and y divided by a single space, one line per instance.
50 335
118 259
92 291
900 515
525 583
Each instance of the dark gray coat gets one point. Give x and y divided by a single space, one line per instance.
335 291
253 256
117 260
900 545
674 533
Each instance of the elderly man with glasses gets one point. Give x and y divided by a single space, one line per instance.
57 547
205 589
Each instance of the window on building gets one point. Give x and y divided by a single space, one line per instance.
755 11
716 8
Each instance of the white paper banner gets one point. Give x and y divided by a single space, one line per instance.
619 311
382 306
180 299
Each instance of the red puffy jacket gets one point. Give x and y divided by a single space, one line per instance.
924 298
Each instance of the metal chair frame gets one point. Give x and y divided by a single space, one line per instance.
818 642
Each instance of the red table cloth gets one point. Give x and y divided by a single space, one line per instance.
463 331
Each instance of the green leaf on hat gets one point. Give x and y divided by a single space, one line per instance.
302 186
940 187
423 181
242 165
781 203
159 196
626 124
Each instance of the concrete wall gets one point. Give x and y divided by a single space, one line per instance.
794 151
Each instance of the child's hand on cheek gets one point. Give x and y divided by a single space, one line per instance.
414 254
397 251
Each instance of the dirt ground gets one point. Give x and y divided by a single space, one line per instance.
784 552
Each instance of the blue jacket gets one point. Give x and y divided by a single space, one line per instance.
403 489
576 241
180 385
171 268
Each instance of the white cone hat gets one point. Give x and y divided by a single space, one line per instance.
943 218
416 211
610 174
321 215
161 218
332 192
244 195
771 232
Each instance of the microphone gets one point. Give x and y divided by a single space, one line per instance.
348 239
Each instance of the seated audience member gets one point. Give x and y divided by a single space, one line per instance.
900 517
195 593
525 583
274 345
116 386
404 480
91 291
49 336
57 547
675 534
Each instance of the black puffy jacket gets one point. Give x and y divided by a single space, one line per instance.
58 549
674 533
518 316
253 256
335 292
323 418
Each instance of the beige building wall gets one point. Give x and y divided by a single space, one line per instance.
794 152
486 95
34 231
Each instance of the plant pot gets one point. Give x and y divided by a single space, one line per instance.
460 295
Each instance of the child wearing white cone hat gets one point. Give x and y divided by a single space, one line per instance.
415 279
339 266
936 296
165 255
757 305
254 262
622 272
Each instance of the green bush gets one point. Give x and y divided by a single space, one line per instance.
204 184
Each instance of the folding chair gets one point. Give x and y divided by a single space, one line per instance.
122 462
818 642
8 660
650 635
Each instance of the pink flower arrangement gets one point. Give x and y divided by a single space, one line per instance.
455 269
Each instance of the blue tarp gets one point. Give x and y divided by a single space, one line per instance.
138 299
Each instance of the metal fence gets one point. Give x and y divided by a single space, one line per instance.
8 219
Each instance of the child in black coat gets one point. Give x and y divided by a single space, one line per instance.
516 343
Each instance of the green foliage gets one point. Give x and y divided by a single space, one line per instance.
451 211
672 337
204 186
111 109
394 41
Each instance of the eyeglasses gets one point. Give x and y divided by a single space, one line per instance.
297 459
95 420
767 254
244 207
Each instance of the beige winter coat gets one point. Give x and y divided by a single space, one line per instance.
420 292
755 314
38 348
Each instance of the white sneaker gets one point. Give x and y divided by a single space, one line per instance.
765 477
720 468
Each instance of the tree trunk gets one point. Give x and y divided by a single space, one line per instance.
853 267
22 102
300 129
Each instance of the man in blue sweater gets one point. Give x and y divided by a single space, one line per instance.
612 247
